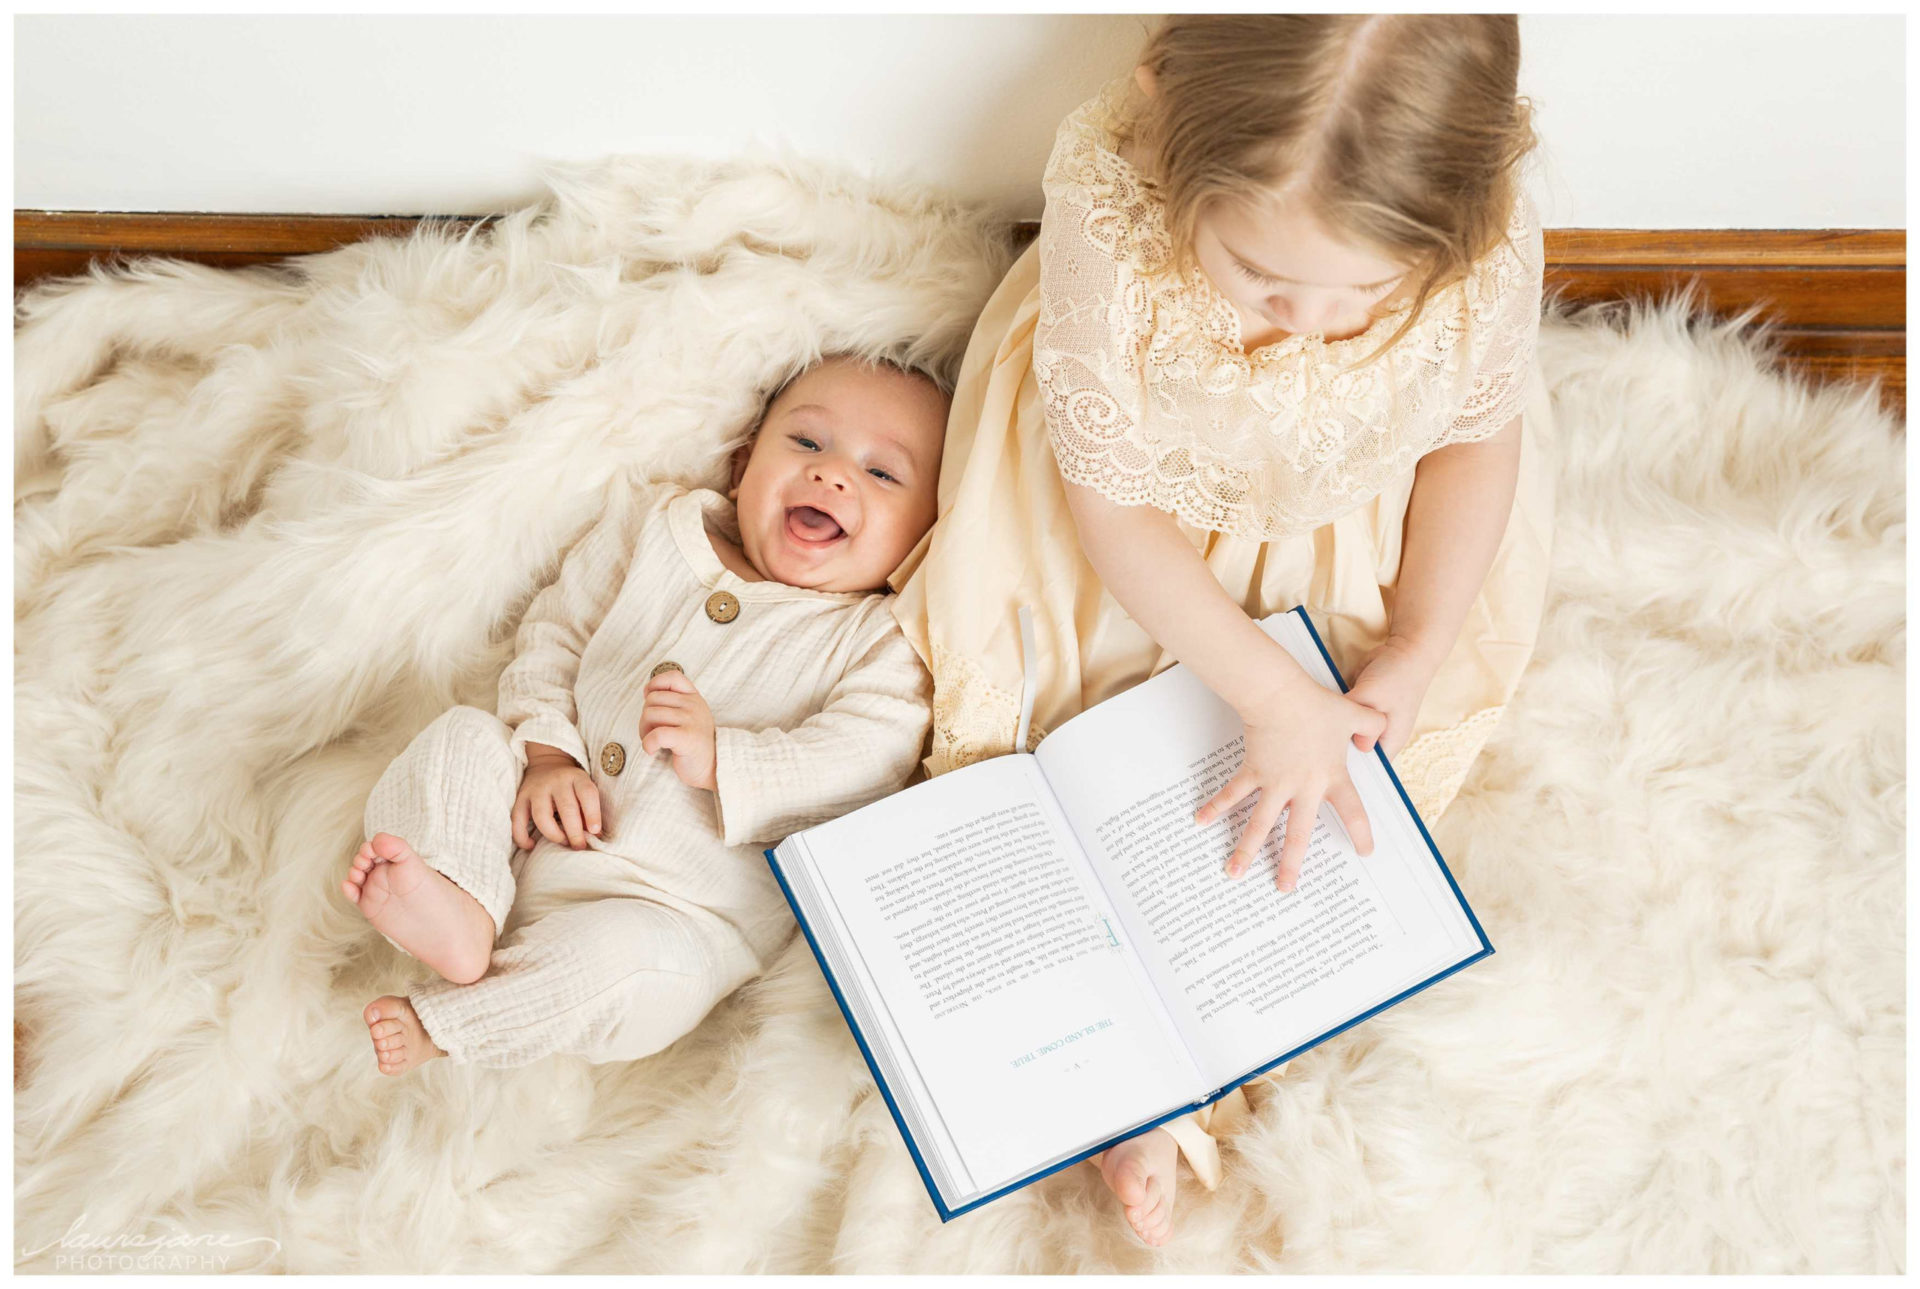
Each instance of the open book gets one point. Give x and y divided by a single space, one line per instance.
1041 954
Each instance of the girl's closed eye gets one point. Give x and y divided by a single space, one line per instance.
1371 288
1252 276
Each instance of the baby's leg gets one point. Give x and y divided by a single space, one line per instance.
435 876
1142 1171
612 979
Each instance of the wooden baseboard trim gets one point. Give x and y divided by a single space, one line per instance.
1837 295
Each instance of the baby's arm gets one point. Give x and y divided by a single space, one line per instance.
536 689
861 745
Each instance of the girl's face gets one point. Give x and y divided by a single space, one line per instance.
1285 272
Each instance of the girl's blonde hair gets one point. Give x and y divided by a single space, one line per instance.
1400 131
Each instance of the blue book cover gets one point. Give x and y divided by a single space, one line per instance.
932 1099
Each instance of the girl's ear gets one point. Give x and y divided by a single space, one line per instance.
1144 78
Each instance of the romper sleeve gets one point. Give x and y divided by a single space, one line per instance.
536 689
861 745
1503 300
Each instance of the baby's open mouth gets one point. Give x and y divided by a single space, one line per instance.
813 527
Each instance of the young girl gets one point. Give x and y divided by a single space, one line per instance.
1273 346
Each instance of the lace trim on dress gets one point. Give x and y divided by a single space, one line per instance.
1433 767
1150 399
973 718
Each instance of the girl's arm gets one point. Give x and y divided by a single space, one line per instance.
1297 733
1456 515
1153 570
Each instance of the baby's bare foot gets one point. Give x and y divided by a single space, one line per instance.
1142 1172
420 909
400 1042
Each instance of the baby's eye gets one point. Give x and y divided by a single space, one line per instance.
805 442
878 473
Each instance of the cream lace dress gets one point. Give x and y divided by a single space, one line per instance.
1101 360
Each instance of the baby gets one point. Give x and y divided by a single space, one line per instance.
705 675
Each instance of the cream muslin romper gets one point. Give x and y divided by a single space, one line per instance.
1101 359
612 952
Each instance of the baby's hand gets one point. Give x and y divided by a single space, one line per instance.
559 796
676 718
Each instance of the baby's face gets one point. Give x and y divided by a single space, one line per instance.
843 477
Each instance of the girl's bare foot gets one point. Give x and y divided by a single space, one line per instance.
1142 1172
420 910
400 1042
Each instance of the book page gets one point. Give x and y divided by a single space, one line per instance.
1249 972
977 928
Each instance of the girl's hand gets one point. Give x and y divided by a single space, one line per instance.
676 718
559 797
1392 681
1295 758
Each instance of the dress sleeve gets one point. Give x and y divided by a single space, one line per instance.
1504 326
1143 389
1079 364
536 689
863 744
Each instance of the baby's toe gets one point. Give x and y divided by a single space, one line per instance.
384 845
1130 1182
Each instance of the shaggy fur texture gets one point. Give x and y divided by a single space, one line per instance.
269 524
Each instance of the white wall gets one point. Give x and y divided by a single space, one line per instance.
1735 121
1651 122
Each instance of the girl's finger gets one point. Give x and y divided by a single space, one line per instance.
589 805
1301 812
1224 800
663 736
669 698
1372 723
1345 801
1265 812
522 825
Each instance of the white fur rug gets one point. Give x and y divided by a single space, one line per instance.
267 526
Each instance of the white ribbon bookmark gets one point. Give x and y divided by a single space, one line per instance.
1029 676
